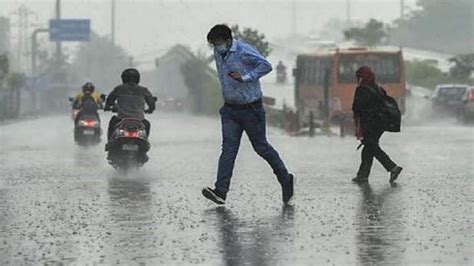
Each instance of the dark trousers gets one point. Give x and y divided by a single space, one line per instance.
115 120
372 149
251 121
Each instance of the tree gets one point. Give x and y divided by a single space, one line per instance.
203 85
334 29
372 34
463 67
437 25
425 74
254 38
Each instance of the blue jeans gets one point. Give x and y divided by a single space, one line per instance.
234 123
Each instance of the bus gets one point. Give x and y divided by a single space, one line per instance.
325 83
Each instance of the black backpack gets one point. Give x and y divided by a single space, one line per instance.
391 116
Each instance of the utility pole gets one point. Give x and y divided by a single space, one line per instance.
402 9
348 12
293 18
59 52
34 49
112 30
22 24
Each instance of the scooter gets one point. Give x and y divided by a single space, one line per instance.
87 129
128 144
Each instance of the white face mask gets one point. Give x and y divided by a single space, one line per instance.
221 48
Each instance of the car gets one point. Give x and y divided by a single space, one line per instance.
466 111
171 104
448 97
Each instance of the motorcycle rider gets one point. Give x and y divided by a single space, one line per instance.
281 72
130 98
87 102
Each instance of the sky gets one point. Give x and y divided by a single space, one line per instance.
146 28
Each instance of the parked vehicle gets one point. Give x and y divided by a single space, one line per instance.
449 97
171 104
466 110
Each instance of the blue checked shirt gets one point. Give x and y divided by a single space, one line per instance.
246 60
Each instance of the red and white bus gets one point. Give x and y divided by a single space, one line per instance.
325 82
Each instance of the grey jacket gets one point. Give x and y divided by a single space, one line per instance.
131 99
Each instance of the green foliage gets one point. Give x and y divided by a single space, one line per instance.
254 38
463 67
373 33
425 74
439 25
203 86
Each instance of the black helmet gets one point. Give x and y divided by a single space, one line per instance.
130 75
88 87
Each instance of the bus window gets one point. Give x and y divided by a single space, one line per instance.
312 71
385 66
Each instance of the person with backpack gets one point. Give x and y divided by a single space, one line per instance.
374 113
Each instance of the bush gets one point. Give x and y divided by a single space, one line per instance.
203 85
425 74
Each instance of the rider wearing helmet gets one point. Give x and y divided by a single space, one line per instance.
88 90
88 101
131 99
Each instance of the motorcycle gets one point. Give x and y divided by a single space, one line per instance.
87 129
128 144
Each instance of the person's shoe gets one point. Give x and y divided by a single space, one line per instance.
214 195
360 180
288 189
394 173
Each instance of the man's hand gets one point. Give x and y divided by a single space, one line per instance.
236 76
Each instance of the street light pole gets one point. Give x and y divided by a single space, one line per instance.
293 18
402 7
348 12
112 30
58 44
34 49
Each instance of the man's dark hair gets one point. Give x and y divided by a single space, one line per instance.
219 32
130 75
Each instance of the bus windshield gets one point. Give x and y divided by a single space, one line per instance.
385 66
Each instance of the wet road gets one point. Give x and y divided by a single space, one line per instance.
61 203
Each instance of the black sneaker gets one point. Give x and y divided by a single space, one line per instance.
360 180
214 195
288 189
394 173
